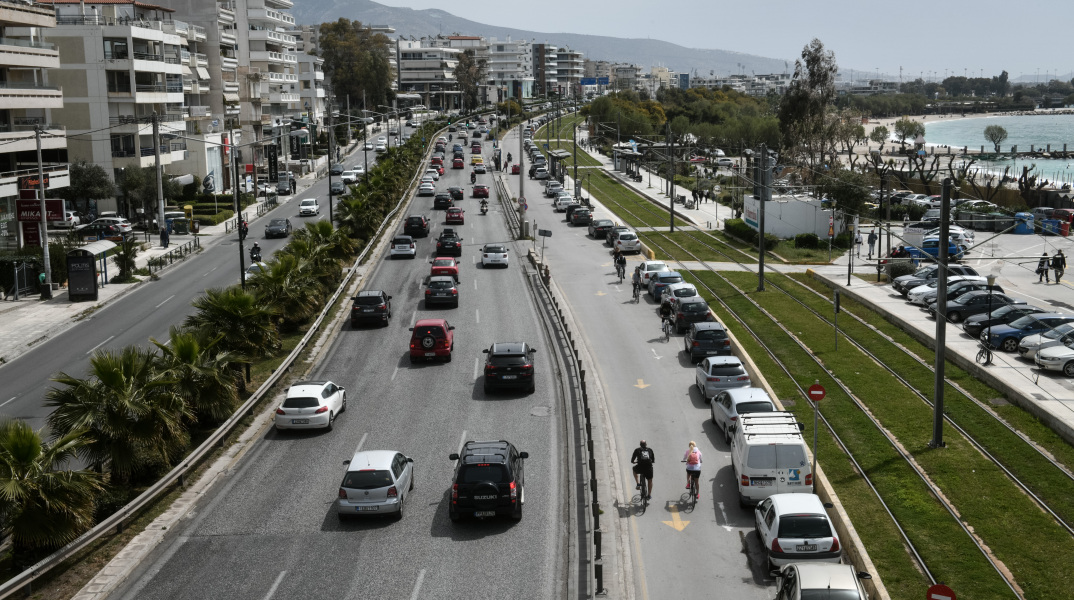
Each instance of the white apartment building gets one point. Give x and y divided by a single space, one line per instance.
569 70
624 76
429 73
510 69
752 85
28 101
311 86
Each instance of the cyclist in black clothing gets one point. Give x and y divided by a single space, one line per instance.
643 460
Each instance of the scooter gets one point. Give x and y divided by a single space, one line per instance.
255 255
484 207
473 178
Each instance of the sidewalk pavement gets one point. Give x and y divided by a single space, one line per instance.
31 321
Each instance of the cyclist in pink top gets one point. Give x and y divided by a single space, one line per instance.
692 458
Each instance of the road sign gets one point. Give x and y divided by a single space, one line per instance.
816 392
940 592
544 232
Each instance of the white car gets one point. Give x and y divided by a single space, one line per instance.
649 267
427 189
920 294
367 146
381 148
559 203
1057 358
349 177
403 246
382 140
70 220
727 405
724 162
308 207
359 170
432 173
494 254
1061 335
377 482
311 405
797 581
796 528
254 269
628 242
123 224
670 294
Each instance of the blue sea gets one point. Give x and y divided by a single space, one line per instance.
1022 130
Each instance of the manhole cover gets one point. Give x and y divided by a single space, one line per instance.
540 411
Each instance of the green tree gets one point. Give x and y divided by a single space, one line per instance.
908 129
849 190
199 368
43 505
87 182
125 257
247 326
995 134
880 135
470 74
128 410
807 131
356 61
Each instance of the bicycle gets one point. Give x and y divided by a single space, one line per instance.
666 326
692 495
620 271
984 355
637 293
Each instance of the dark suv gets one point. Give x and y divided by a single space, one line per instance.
449 244
416 225
706 339
509 365
489 481
690 310
371 305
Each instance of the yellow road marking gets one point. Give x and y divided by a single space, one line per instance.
676 523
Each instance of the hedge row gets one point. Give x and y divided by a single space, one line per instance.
739 229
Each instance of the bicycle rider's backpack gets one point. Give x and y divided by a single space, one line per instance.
693 458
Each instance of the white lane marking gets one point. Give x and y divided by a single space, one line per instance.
477 365
477 315
275 585
724 513
165 301
361 443
13 397
462 440
169 342
475 284
655 355
101 344
417 585
210 271
414 316
395 372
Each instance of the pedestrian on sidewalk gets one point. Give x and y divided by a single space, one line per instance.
857 241
164 237
872 242
1059 265
906 219
1042 269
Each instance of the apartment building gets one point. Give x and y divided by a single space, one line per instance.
428 72
311 87
544 69
510 69
624 76
569 70
28 102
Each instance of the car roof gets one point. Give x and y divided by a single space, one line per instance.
814 575
305 387
509 348
724 360
448 278
710 325
371 293
488 448
430 322
798 502
372 459
747 394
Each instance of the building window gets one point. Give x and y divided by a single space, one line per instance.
116 49
119 82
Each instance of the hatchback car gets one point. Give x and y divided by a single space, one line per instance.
509 365
580 217
442 290
371 305
628 241
1032 344
671 293
455 216
311 405
457 193
1057 358
552 189
922 293
431 339
706 339
796 528
434 173
689 311
1006 337
442 200
717 373
494 254
480 169
810 580
337 188
726 407
416 225
458 163
278 228
660 279
377 482
613 232
445 265
426 189
308 208
481 191
449 243
598 228
974 303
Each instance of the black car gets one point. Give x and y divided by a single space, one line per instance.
278 228
449 243
690 310
569 208
1003 315
973 303
336 170
489 480
580 216
337 188
371 306
457 193
598 228
509 365
925 275
477 134
442 289
416 225
443 200
706 339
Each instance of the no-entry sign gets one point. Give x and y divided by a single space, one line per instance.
816 392
940 592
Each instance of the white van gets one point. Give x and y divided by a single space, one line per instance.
769 456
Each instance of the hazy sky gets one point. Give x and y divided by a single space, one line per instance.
960 36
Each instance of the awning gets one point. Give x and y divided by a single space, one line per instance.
187 71
231 97
203 73
97 248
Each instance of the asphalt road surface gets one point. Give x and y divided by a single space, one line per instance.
269 530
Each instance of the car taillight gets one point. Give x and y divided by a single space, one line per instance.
809 479
727 343
527 367
743 378
734 418
454 492
382 306
679 316
514 492
835 544
454 292
342 494
428 292
486 256
696 344
775 546
489 368
744 481
323 409
392 492
280 411
411 245
712 379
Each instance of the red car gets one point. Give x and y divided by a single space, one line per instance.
445 265
431 339
458 163
454 216
515 169
436 161
475 149
481 191
439 169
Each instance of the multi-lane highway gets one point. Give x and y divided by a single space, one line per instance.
269 529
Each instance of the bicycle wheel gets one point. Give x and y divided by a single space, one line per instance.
984 356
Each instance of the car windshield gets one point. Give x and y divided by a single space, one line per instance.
710 334
277 223
685 292
366 480
443 262
436 332
1023 322
694 307
480 473
999 312
308 202
1059 331
827 594
507 360
368 300
748 407
804 526
440 285
495 249
774 456
301 402
401 241
727 371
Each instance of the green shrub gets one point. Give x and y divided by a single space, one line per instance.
739 229
807 240
901 268
216 219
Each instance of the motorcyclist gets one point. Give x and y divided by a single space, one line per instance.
484 206
473 176
255 253
244 229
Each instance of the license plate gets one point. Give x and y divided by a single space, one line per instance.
430 354
485 513
806 547
367 310
367 508
300 421
440 294
510 376
761 482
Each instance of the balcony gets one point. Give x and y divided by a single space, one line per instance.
200 60
197 112
272 37
15 14
14 95
25 54
230 87
285 4
228 63
280 77
20 137
269 56
198 33
227 36
270 16
283 98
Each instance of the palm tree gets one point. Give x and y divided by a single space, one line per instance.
43 505
290 287
357 216
248 327
131 412
191 357
339 246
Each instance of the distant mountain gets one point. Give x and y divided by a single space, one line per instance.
643 52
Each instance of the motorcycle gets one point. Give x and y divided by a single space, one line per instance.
484 207
473 178
255 255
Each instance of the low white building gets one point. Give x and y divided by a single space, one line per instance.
788 216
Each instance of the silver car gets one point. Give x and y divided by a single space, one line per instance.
718 373
311 405
377 482
727 405
494 254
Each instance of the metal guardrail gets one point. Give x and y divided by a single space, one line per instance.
177 474
180 253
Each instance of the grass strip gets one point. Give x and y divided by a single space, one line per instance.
693 245
631 208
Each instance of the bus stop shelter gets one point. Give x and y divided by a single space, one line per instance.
82 270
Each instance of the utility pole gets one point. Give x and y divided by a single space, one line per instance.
348 119
157 168
238 214
766 194
574 137
331 136
46 292
671 180
886 202
941 315
287 154
521 164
